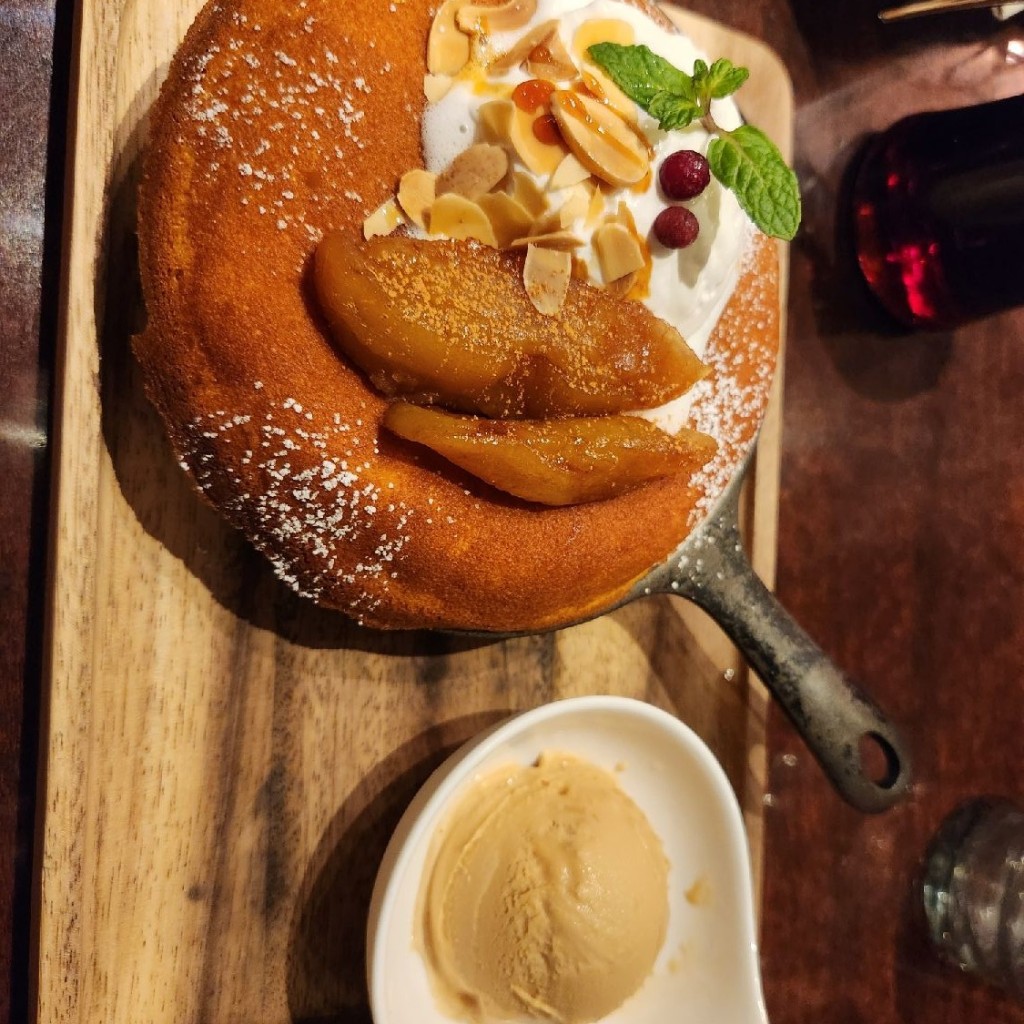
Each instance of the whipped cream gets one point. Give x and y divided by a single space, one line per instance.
689 287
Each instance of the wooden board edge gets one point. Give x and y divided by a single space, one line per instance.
67 577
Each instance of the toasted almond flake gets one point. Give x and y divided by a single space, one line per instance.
506 17
436 87
496 121
596 208
561 240
618 252
550 59
568 173
416 194
539 157
474 171
383 220
456 216
447 44
600 138
574 208
624 216
509 218
546 275
527 192
521 48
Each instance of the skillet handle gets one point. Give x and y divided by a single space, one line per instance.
831 712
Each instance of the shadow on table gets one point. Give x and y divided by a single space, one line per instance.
326 973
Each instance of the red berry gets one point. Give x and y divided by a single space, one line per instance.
676 227
684 174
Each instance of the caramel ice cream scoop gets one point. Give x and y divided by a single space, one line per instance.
546 897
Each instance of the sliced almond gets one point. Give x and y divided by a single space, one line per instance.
561 240
575 202
527 192
383 220
540 157
447 44
509 218
495 120
595 209
568 173
521 49
416 194
618 252
624 216
574 208
546 275
550 59
436 87
456 216
474 171
506 17
600 139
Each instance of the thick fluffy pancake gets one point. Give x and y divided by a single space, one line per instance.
279 122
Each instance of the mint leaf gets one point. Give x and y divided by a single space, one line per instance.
640 73
672 112
659 87
724 78
748 162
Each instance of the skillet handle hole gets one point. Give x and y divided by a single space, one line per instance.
878 760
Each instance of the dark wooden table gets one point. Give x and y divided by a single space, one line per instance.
901 541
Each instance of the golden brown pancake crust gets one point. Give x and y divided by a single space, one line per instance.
279 122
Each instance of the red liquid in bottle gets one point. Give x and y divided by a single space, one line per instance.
938 206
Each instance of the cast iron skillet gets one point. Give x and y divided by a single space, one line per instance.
836 718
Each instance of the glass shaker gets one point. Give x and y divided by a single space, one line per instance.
973 891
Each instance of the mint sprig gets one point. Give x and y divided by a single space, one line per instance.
744 160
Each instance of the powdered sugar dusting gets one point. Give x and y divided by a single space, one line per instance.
319 492
263 109
729 403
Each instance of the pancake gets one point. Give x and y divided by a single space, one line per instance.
279 123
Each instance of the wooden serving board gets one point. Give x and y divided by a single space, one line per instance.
223 762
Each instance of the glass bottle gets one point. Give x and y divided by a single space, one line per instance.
938 214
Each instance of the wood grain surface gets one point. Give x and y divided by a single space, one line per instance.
224 762
909 447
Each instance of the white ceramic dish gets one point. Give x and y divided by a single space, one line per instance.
707 970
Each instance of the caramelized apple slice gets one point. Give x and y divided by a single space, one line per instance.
450 323
554 462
